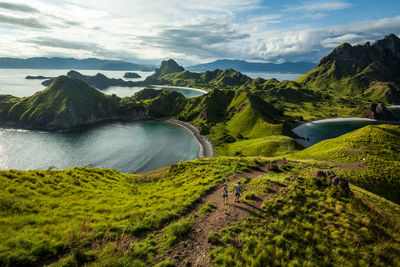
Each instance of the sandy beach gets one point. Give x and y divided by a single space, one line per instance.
206 149
300 129
187 88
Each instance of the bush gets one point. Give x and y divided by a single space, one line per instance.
207 207
213 238
178 230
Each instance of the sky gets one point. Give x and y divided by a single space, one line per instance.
191 31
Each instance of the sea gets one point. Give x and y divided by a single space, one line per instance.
130 147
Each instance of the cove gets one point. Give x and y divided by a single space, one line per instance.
316 131
129 147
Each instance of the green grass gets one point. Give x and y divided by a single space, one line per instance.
265 146
178 230
307 225
376 147
40 209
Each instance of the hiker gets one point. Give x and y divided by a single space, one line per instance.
225 193
237 188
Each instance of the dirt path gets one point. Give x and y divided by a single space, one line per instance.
196 248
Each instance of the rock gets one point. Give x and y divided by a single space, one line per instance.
342 183
273 167
293 178
321 174
379 112
331 174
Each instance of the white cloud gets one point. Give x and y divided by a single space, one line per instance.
318 5
201 30
311 44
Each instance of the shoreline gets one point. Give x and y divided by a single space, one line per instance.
300 129
206 149
180 87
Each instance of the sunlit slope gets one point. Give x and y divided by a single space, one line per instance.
375 147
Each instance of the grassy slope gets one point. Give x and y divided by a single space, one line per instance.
378 145
309 225
40 210
92 215
265 146
64 99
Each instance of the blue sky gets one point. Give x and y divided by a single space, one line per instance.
191 31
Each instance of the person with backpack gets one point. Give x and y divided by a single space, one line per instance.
238 189
225 193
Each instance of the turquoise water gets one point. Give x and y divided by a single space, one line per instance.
395 110
126 146
316 132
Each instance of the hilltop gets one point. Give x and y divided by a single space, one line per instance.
371 71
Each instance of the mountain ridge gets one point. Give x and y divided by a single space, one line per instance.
245 66
70 63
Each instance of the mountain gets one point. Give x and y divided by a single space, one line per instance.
170 73
66 103
70 63
100 81
371 71
245 66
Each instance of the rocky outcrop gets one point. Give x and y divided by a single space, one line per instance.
379 112
167 67
329 178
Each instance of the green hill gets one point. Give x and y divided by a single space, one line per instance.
368 70
67 102
375 148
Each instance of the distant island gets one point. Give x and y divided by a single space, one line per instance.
100 81
40 77
70 63
132 75
245 66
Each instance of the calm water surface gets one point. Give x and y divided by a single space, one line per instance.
128 147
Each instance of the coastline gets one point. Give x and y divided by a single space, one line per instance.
300 129
206 149
180 87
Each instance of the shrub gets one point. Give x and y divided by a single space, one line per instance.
178 230
213 238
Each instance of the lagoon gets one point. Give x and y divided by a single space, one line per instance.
317 131
129 147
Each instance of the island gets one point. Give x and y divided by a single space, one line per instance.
131 75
